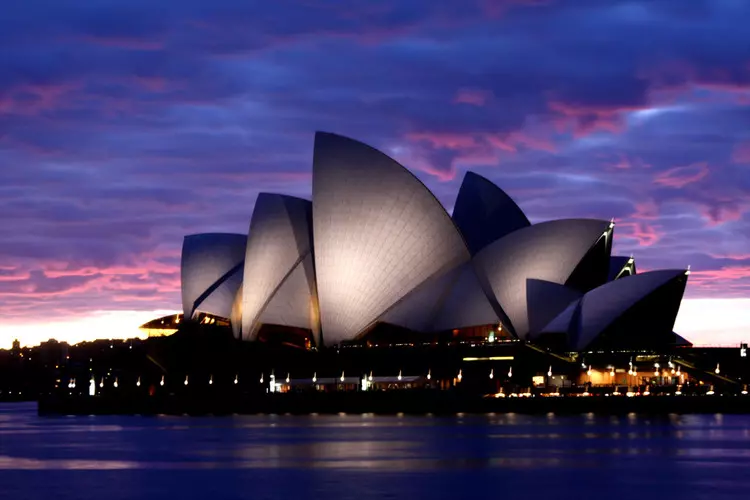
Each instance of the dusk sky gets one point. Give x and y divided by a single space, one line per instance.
126 125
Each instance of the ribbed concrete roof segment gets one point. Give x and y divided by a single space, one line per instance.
485 213
294 302
418 309
219 301
208 263
378 232
605 304
466 304
278 240
563 322
549 251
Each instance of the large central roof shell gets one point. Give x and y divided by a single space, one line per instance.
549 251
378 232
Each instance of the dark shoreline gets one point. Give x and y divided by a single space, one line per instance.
390 403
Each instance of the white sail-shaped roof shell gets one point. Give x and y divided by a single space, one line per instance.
278 240
549 251
294 302
485 213
219 302
378 232
452 300
466 304
563 322
545 300
417 310
605 304
209 267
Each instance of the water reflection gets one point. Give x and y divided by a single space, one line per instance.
369 456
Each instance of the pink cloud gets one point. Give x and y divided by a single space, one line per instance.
33 99
647 210
740 256
585 120
625 162
152 83
153 273
677 79
741 153
715 277
720 213
475 97
509 142
470 149
645 234
679 177
444 140
11 273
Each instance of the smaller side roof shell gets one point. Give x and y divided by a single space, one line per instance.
565 321
620 266
484 213
604 305
279 238
549 251
208 261
545 300
219 302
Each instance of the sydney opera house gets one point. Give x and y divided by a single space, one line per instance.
372 286
375 251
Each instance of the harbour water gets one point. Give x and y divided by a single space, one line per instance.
368 456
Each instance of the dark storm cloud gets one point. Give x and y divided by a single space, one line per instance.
125 125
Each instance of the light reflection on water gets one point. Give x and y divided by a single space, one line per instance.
369 456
